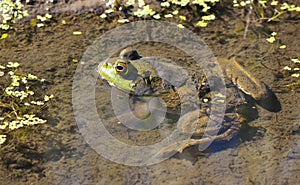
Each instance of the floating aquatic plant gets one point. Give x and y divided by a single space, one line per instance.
272 38
19 103
269 10
10 12
144 11
77 33
168 9
293 71
40 21
282 46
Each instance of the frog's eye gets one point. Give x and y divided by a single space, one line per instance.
120 67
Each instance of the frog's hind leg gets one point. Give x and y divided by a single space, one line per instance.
180 146
225 136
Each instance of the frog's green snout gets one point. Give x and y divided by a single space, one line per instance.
99 68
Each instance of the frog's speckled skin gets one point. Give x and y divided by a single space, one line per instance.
243 79
134 72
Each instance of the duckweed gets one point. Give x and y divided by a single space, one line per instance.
267 10
293 70
168 9
20 104
10 12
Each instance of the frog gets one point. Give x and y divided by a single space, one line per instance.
130 73
136 75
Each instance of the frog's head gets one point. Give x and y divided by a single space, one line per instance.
130 54
119 73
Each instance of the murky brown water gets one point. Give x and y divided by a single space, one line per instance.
267 151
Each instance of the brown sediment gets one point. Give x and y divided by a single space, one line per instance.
56 152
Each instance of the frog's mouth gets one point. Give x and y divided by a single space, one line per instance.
107 83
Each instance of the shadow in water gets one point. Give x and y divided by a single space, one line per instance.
192 154
247 132
271 102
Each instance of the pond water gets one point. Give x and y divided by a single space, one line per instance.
266 151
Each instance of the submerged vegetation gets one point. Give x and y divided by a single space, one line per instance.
20 102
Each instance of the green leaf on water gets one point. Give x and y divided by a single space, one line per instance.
201 24
271 39
182 17
282 46
156 16
2 139
4 36
168 15
40 25
180 25
141 3
181 2
49 16
123 20
273 33
274 3
109 11
41 18
165 4
103 16
175 12
295 60
209 17
287 68
77 33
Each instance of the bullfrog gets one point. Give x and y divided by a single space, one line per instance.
131 73
140 77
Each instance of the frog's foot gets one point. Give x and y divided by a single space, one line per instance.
206 139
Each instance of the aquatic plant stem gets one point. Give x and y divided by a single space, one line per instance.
247 21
